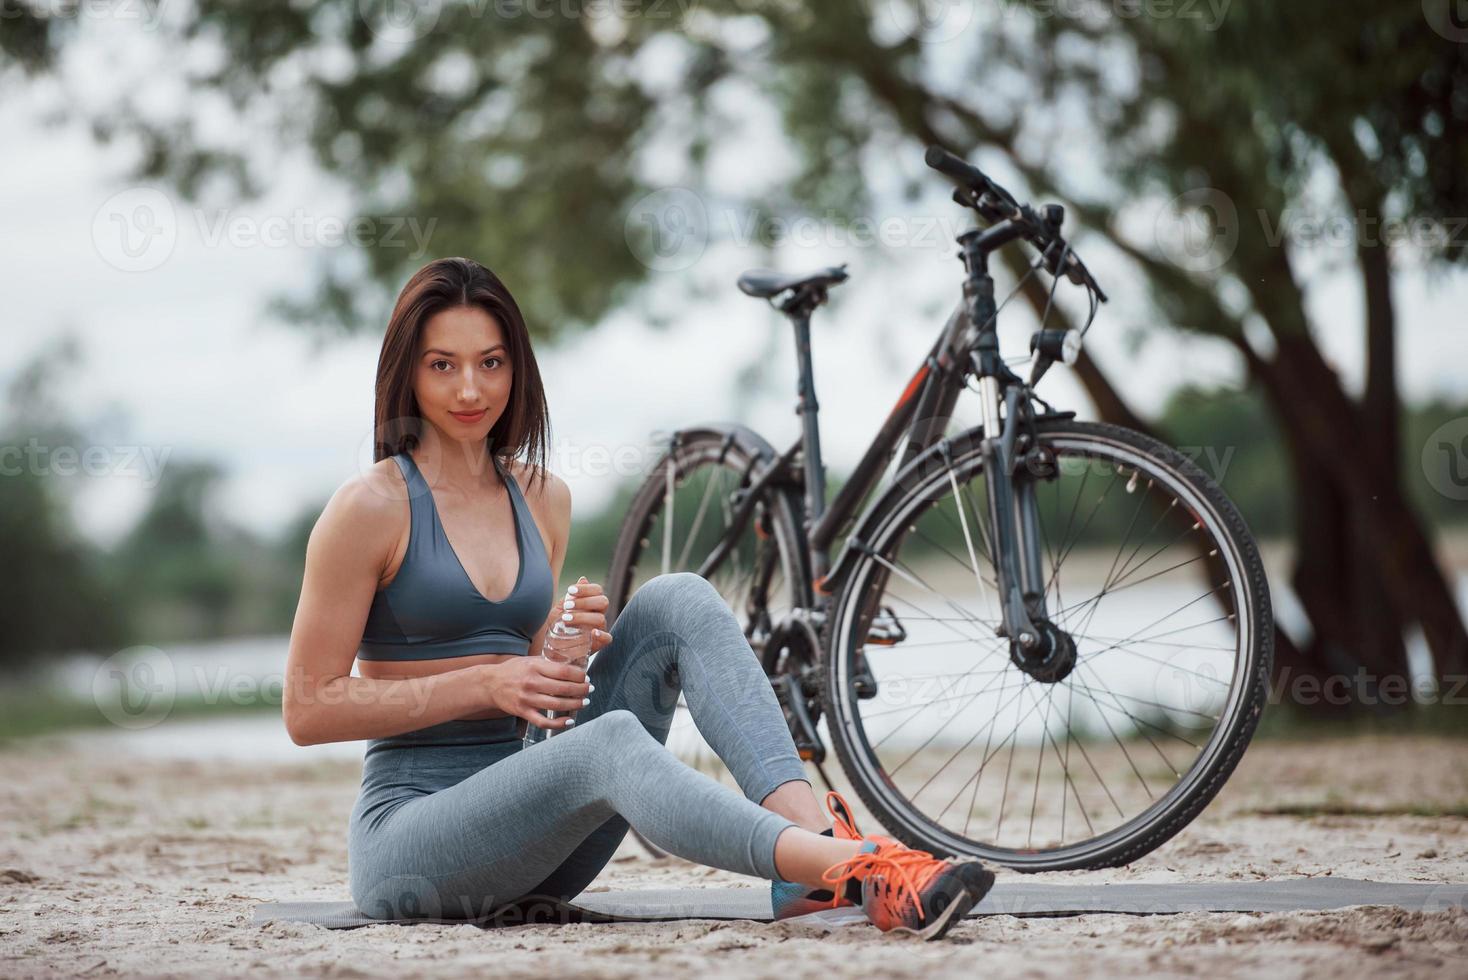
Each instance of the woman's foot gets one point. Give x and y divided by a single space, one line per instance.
789 899
907 890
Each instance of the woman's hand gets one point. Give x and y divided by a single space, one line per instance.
585 607
528 687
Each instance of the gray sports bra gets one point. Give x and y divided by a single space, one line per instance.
431 609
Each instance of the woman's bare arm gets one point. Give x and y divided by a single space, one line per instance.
555 502
347 552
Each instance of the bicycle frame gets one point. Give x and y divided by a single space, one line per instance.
922 413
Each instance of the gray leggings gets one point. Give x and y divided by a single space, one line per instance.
456 820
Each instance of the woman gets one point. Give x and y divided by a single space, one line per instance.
455 818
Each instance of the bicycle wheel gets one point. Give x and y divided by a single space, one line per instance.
675 521
966 748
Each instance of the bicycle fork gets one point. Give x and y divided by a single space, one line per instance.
1037 645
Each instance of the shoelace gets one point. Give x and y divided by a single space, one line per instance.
900 864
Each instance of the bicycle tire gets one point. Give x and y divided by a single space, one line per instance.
736 451
1248 694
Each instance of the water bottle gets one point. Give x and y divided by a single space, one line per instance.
563 645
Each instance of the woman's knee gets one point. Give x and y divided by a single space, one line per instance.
669 597
618 727
605 738
675 587
604 746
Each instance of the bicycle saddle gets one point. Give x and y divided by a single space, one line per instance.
765 283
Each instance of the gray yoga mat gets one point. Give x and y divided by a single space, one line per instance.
1020 898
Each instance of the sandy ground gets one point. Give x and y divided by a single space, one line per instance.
116 867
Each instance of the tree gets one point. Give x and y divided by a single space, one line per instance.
1278 95
57 594
526 136
175 560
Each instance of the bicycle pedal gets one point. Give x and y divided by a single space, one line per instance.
886 629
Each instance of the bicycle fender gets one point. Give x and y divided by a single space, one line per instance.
750 442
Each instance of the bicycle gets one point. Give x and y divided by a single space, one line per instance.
945 618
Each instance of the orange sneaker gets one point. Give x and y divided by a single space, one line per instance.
789 899
907 890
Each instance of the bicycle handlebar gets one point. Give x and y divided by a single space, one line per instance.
995 204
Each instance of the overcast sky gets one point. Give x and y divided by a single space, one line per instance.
183 360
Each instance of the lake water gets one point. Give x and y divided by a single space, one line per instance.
247 668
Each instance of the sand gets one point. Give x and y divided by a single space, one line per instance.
112 866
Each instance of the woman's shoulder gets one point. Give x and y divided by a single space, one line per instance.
367 511
372 497
543 490
539 485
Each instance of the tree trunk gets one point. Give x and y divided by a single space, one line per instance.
1394 560
1366 567
1356 639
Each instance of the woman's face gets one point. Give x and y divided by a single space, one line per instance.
463 367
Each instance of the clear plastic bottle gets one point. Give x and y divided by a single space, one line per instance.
566 645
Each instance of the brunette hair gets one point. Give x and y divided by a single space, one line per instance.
446 284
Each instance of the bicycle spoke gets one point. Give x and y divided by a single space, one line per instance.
986 755
1065 765
991 583
1140 722
1097 598
1140 565
967 538
973 510
928 704
1119 744
1069 523
961 748
1107 579
1157 660
1065 770
1143 702
1008 768
945 621
1065 553
1039 768
714 481
910 577
919 749
1161 643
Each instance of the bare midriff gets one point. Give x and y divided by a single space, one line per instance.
397 670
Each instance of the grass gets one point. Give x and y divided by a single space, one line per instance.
1281 721
36 712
